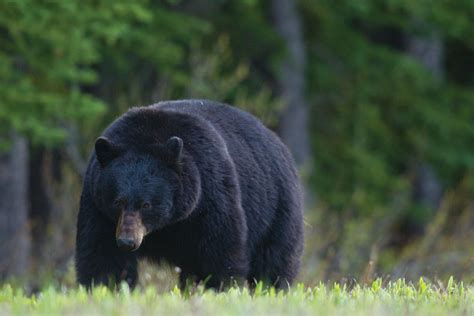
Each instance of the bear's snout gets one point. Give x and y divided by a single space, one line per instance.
130 231
126 244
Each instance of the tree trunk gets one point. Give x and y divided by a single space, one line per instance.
294 120
40 196
14 228
293 127
429 52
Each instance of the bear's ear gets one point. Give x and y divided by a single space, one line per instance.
174 147
105 151
170 152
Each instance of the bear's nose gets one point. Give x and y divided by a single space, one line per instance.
127 244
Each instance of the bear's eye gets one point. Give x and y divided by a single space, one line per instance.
146 205
118 202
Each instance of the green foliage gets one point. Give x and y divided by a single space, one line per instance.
51 52
232 85
377 112
395 298
42 66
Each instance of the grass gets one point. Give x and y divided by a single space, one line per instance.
395 298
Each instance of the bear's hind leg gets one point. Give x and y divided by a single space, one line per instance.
276 261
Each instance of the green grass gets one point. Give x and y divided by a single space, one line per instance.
396 298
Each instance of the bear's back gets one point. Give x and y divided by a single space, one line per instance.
255 150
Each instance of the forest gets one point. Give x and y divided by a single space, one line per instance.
375 100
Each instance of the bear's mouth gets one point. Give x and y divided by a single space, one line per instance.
130 231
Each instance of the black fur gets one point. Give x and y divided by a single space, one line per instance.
224 194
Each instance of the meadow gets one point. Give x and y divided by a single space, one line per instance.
391 298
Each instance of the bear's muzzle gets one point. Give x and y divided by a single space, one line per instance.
130 231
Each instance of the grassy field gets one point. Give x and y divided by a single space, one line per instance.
397 298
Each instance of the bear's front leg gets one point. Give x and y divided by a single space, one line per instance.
221 267
223 257
98 259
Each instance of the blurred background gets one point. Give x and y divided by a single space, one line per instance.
374 98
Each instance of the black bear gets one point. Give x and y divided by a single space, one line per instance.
202 185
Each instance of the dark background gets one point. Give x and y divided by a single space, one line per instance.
374 98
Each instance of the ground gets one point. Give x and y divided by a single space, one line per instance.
398 298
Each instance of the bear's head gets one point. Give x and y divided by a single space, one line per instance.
142 189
